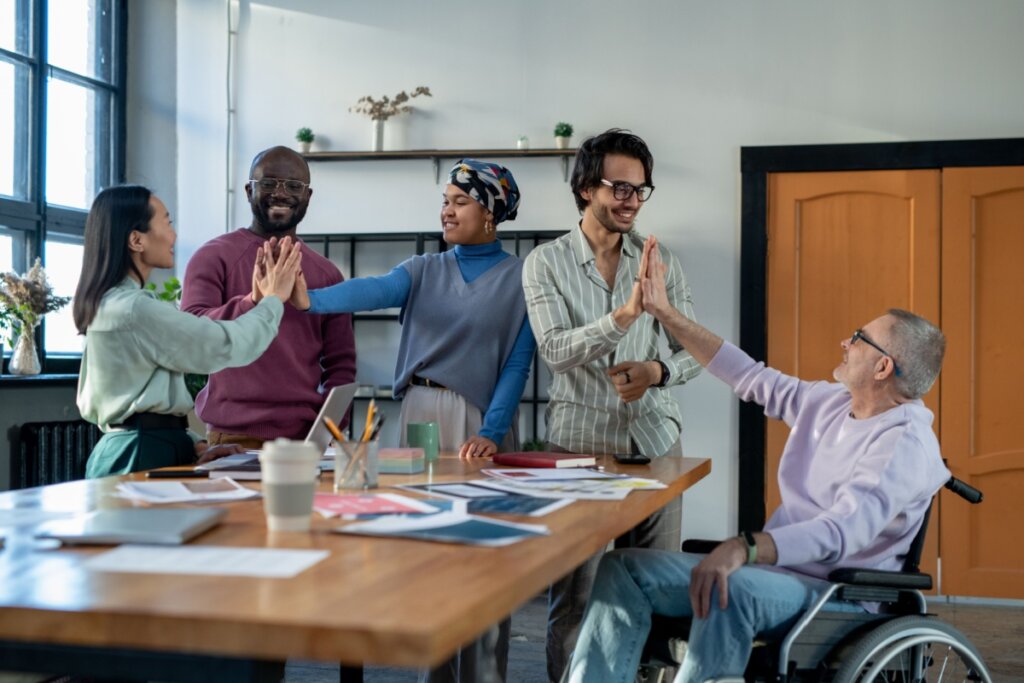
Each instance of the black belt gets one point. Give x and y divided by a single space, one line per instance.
141 421
424 382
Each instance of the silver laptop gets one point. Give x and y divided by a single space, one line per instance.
319 435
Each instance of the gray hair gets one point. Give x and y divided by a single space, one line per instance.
917 347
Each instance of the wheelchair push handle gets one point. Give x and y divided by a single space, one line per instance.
964 490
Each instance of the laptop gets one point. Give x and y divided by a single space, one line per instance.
162 526
319 435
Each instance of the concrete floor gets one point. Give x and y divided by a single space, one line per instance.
996 631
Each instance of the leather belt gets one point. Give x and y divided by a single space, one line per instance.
143 421
424 382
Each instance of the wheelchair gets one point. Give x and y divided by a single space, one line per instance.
900 644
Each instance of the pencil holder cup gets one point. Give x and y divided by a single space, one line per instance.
356 464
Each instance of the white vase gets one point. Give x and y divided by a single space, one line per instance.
378 135
561 142
24 357
304 146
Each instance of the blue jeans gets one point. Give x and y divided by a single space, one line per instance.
633 584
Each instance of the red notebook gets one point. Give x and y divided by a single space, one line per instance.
544 459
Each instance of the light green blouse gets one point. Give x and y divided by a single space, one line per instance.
138 348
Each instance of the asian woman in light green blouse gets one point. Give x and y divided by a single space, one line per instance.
138 348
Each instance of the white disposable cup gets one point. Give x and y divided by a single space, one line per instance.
289 470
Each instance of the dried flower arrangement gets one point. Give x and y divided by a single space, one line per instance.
383 109
27 298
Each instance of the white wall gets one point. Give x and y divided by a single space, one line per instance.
697 80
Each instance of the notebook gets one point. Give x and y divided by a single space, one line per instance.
160 526
544 459
247 465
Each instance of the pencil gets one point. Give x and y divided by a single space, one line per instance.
333 429
371 410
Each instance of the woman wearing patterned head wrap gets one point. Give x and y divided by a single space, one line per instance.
466 345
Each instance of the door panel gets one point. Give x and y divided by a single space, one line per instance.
983 318
842 249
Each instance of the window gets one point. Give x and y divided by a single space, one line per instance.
61 141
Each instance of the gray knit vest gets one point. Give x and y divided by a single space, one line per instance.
456 333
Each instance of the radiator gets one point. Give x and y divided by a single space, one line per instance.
51 452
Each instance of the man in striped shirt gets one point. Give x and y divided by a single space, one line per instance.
609 392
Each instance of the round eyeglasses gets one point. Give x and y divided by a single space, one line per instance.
268 185
622 190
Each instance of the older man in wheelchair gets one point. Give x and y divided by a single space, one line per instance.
856 478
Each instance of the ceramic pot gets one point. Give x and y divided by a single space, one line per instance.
378 135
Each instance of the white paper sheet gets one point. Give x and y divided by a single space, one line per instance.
203 559
208 491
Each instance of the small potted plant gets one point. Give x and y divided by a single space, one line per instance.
305 137
563 131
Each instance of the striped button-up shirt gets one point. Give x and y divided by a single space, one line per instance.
570 308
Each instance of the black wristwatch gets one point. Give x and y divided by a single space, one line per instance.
664 374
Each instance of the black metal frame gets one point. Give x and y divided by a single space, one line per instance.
755 164
32 216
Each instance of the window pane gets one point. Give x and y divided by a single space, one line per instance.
77 143
79 36
6 253
15 27
63 266
14 129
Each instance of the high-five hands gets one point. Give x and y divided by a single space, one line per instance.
276 274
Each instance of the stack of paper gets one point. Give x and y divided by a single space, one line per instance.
213 490
359 504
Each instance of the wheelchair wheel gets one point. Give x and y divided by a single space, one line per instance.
913 649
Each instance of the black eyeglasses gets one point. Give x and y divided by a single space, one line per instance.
859 334
268 185
622 190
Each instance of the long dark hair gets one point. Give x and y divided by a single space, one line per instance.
590 156
115 213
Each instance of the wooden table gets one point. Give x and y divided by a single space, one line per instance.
373 601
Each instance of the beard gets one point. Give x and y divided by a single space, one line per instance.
604 216
261 211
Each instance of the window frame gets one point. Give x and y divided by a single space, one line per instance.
32 215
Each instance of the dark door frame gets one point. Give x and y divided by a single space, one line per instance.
755 165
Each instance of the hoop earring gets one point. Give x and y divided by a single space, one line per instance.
488 227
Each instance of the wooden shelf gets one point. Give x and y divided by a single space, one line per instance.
436 155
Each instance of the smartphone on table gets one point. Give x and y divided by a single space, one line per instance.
631 459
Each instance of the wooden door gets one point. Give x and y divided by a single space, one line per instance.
983 377
843 248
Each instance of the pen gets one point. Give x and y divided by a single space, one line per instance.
333 429
377 427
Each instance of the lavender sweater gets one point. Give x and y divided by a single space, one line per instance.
854 492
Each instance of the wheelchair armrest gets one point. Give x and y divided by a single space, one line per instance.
699 546
882 579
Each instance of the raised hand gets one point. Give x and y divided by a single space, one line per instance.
652 282
275 276
629 312
300 293
259 268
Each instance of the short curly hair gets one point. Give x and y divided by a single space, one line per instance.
589 168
